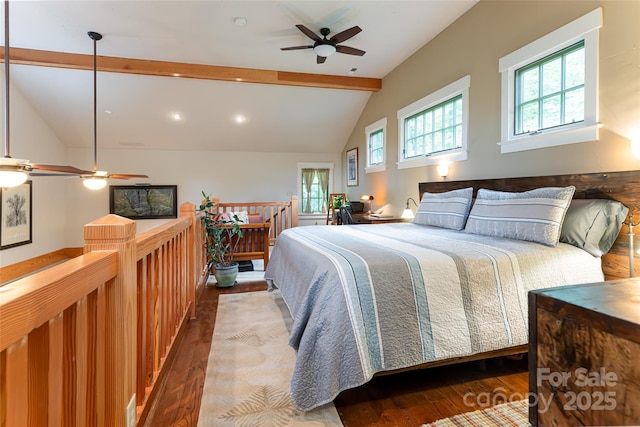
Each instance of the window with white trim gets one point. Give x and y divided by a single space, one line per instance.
434 128
376 145
315 183
550 88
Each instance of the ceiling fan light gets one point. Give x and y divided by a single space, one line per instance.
10 179
94 183
324 50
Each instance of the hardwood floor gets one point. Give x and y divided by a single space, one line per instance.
402 400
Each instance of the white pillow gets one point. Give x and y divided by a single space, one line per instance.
535 215
446 210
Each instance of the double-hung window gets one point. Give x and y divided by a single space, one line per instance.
550 88
376 141
434 129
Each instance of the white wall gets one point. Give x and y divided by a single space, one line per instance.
473 46
232 176
31 139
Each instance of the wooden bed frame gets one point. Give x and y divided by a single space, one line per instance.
621 186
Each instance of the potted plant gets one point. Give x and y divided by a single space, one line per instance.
220 243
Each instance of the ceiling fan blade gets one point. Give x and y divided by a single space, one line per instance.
321 59
297 47
313 36
345 35
60 169
125 176
350 50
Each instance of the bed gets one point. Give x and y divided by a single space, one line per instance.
378 298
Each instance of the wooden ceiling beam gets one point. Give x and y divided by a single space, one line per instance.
76 61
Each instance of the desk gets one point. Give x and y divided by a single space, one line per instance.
584 342
364 218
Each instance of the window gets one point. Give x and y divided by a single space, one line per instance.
434 128
550 88
314 183
550 92
375 134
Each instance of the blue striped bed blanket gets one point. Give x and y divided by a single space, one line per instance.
379 297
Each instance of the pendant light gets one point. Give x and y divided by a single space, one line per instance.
98 179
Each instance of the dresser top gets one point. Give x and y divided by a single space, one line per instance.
615 303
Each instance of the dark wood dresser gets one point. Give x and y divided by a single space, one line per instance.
584 355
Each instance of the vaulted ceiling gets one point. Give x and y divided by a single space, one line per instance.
194 58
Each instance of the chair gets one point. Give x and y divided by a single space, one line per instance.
344 216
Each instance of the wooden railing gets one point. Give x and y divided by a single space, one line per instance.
279 215
87 342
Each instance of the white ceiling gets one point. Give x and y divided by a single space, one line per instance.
279 118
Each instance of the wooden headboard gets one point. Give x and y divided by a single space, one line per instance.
621 186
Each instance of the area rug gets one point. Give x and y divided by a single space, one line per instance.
509 414
250 367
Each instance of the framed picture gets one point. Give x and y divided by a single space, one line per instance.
15 213
352 167
144 201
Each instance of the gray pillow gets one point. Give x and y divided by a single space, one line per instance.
446 210
534 215
593 224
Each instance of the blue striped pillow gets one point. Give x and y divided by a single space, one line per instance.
446 210
534 215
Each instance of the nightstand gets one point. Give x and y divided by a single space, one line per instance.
365 218
584 342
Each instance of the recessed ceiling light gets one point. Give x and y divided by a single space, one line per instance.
176 116
240 21
108 112
240 118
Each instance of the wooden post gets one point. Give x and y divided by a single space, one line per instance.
116 385
189 210
294 211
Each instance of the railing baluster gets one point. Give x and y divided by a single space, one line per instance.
131 296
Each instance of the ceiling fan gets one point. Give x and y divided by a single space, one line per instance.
324 47
14 172
98 179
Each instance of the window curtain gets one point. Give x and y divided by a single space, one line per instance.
307 181
323 179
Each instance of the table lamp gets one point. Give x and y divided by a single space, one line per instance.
408 213
367 198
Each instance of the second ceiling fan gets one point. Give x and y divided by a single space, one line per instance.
98 179
324 47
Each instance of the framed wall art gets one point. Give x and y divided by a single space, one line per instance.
352 167
144 201
15 214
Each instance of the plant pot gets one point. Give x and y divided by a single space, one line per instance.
226 274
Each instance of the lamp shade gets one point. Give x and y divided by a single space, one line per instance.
366 197
443 169
95 183
324 50
407 214
10 179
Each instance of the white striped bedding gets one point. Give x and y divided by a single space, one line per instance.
371 298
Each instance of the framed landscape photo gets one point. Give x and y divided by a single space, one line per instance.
144 201
352 167
15 214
